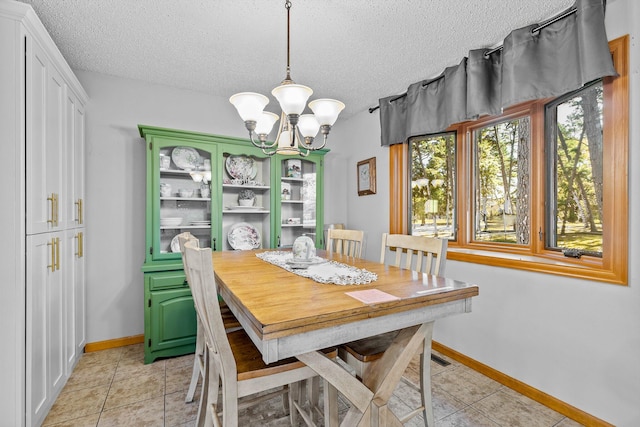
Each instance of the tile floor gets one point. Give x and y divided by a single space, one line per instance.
114 388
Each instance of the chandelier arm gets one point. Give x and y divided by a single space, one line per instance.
260 145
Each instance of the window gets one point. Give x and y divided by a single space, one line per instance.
501 182
574 168
543 187
432 199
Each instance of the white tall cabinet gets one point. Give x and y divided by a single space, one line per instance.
42 137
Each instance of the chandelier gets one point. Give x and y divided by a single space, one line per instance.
292 98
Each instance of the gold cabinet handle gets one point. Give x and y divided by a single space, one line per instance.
57 208
80 240
53 208
79 206
57 253
53 254
81 211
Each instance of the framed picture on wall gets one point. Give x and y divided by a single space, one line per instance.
366 176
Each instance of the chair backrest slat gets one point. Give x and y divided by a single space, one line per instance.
205 296
429 249
347 242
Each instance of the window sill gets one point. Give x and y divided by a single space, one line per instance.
552 264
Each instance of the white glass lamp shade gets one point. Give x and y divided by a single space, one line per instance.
308 125
249 105
326 110
292 97
266 122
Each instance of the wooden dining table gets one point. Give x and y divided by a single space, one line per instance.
287 315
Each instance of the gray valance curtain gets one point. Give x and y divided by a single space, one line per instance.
561 57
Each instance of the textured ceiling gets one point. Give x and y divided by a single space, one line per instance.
353 50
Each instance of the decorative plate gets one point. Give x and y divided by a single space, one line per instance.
175 244
244 236
186 158
241 167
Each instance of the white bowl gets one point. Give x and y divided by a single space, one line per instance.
185 193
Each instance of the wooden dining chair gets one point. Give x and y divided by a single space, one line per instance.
234 365
430 256
347 242
230 323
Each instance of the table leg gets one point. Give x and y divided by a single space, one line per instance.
369 398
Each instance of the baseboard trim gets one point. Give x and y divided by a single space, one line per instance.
118 342
522 388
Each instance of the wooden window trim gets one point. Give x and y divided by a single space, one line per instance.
613 266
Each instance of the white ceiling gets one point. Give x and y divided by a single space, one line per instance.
356 51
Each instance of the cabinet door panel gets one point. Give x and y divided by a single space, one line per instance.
45 149
45 331
74 159
173 319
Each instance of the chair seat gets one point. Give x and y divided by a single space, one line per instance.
249 361
370 349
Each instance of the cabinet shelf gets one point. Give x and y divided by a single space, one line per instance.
189 199
244 211
252 187
293 201
178 171
184 227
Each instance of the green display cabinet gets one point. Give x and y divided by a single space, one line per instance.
201 183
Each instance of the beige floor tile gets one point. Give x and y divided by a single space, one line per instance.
73 404
148 413
508 411
567 422
135 389
104 357
128 368
86 421
178 379
91 376
179 362
463 385
177 412
535 405
468 417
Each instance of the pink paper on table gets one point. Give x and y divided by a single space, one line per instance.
372 296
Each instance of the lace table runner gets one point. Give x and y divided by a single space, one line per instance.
330 272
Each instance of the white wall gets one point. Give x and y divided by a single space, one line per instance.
576 340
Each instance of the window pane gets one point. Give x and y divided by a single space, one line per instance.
433 173
574 126
501 182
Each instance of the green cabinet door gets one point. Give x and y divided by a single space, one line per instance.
170 317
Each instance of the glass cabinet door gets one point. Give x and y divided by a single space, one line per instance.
245 174
299 207
182 197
